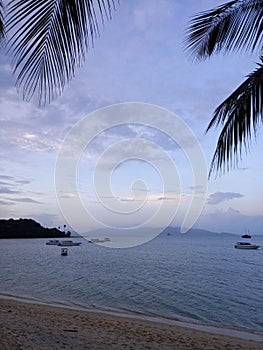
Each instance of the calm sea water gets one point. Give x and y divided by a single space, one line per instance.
199 278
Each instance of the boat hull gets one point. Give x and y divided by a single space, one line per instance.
69 244
53 242
252 246
98 240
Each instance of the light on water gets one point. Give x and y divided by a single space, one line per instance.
199 278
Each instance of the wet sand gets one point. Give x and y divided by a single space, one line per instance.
26 326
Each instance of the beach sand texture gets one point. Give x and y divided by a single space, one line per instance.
27 326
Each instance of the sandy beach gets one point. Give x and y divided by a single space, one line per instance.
27 326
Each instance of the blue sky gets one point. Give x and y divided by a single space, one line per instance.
139 57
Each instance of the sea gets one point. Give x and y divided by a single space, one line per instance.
196 277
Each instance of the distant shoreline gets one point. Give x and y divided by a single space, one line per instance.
28 228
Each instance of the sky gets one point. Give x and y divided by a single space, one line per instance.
81 162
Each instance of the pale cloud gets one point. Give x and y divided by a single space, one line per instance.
169 198
7 177
5 203
24 200
6 190
13 190
24 126
219 197
14 181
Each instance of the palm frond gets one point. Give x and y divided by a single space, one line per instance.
234 26
49 40
2 25
241 114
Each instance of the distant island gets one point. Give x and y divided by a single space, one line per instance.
28 228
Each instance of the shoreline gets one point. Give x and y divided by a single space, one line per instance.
234 331
29 324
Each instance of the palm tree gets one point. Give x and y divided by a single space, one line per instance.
233 26
2 30
48 40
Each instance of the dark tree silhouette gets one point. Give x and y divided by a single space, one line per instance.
2 29
27 228
48 40
233 26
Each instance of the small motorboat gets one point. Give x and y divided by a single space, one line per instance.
68 243
98 240
246 245
53 242
64 251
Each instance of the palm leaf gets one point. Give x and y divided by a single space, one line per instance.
235 25
49 40
2 26
241 113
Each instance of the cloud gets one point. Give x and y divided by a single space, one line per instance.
11 187
5 190
23 182
25 200
129 141
4 203
6 177
168 198
11 184
13 180
26 127
219 197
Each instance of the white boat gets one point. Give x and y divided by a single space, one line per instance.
68 243
98 240
53 242
246 245
64 251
